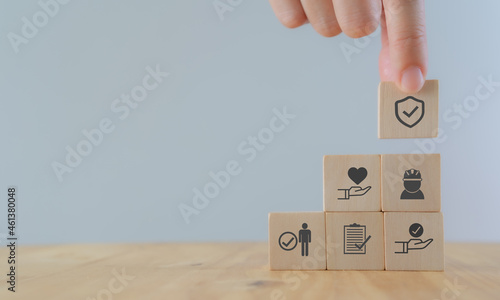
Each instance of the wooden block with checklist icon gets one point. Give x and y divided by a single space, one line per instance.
355 240
297 241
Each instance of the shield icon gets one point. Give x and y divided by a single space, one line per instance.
410 111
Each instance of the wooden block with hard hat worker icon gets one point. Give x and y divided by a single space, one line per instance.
411 182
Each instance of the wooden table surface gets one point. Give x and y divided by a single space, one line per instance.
234 271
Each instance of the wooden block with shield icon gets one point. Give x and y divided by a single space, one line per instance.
297 241
408 116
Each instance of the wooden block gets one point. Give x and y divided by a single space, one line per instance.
408 116
355 241
411 182
297 241
351 183
414 241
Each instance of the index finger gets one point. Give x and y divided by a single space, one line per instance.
407 42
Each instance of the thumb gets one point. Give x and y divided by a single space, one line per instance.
406 43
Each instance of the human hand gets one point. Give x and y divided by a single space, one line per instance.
403 58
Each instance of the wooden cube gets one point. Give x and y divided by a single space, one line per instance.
297 241
351 183
408 116
355 241
414 241
411 182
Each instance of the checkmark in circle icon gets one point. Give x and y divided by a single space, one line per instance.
288 241
416 230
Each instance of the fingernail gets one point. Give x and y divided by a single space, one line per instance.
412 80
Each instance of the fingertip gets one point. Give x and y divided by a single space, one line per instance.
289 12
412 80
361 28
292 19
327 28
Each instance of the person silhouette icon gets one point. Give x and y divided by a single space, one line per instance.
305 239
412 182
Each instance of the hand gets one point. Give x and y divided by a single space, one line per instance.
353 191
403 58
418 244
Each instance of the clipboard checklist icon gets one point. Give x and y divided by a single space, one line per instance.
355 239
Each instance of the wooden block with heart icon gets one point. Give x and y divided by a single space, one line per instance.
297 241
414 241
351 183
408 116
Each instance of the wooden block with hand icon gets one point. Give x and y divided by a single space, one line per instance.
351 183
414 241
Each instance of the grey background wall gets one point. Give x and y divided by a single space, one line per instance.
227 78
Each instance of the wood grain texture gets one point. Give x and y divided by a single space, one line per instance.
286 252
420 247
336 181
238 271
367 256
394 167
389 127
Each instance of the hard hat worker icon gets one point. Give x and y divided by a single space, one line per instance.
412 182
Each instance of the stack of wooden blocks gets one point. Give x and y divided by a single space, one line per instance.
381 212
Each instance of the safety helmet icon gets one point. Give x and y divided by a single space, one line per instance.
412 175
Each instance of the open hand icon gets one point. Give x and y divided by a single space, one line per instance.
353 191
414 244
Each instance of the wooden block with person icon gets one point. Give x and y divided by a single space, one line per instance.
297 241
